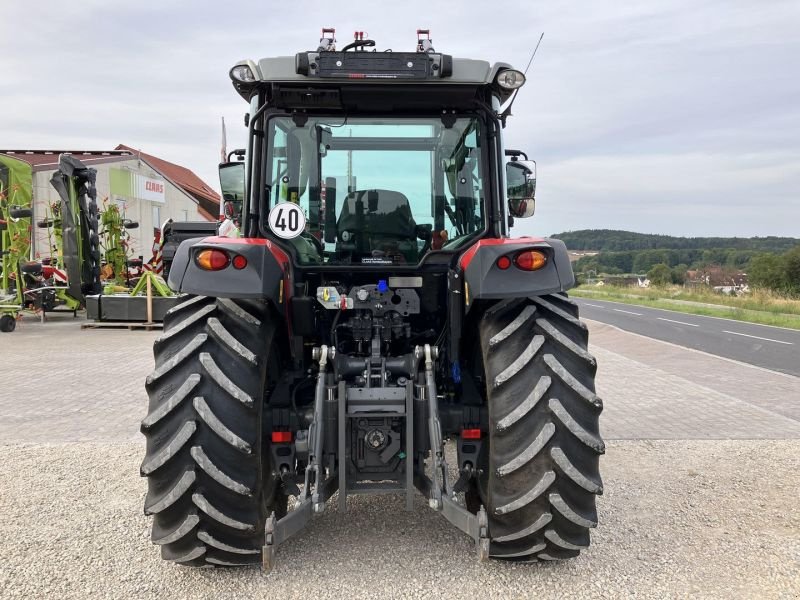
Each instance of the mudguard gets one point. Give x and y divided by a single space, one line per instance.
484 279
265 276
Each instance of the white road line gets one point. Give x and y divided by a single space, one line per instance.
627 311
595 305
678 322
759 338
792 378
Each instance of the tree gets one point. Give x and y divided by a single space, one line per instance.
660 275
767 271
791 264
679 273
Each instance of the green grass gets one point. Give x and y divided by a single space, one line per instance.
764 308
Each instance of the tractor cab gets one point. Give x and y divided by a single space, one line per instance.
389 156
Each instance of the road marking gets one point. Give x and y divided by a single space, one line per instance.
627 311
595 305
759 338
678 322
791 376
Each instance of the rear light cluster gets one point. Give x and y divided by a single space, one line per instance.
216 260
526 260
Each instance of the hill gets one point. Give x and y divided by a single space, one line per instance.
631 252
613 240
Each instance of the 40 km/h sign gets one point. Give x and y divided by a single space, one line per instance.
286 220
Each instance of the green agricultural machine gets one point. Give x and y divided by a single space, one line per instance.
15 237
72 270
375 306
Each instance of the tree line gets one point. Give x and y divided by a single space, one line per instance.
641 261
613 240
770 262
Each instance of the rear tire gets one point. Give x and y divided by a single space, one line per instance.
210 483
540 472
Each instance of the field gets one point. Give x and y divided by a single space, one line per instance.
763 307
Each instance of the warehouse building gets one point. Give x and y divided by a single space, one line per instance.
148 190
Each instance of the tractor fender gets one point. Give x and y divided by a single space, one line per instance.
265 275
485 280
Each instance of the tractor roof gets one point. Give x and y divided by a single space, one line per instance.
425 71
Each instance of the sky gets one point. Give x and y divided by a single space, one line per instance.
668 116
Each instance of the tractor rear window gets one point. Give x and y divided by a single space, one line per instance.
377 190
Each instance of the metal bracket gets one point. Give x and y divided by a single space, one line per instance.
268 550
476 526
277 531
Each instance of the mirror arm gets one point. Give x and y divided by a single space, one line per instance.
239 153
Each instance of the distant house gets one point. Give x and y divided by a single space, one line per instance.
148 190
715 276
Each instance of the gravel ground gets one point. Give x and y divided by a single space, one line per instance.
679 518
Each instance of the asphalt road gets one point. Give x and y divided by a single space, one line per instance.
772 348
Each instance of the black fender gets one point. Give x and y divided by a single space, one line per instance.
483 279
265 276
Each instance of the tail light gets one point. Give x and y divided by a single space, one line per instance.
212 260
503 263
471 434
530 260
281 437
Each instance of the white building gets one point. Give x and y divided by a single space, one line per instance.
147 189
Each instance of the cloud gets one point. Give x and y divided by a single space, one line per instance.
667 116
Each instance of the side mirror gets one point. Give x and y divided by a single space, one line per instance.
231 182
521 188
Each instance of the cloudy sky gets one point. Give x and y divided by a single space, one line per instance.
667 116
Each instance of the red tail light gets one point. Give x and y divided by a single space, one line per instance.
281 437
503 263
212 260
530 260
239 262
471 434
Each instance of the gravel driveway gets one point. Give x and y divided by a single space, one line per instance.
699 518
681 517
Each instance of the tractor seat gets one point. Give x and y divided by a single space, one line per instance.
31 268
385 213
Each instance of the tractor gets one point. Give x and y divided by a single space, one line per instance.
374 328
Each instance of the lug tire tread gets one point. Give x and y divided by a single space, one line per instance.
540 472
208 489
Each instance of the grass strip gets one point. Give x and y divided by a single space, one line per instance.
651 298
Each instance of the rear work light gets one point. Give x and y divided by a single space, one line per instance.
510 79
212 260
243 74
530 260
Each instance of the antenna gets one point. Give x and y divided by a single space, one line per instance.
507 110
525 72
